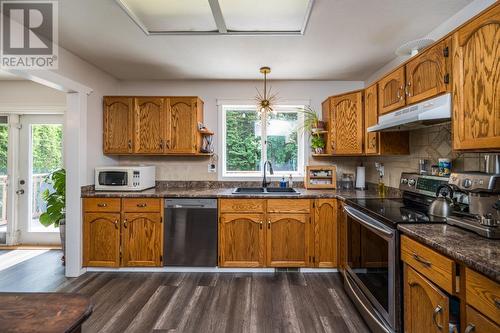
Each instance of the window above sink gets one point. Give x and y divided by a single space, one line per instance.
249 139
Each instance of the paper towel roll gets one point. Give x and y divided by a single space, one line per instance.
360 177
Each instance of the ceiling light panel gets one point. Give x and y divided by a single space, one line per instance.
163 16
265 15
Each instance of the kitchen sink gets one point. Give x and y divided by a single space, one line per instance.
266 190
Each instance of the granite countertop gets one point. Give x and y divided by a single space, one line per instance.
187 192
479 253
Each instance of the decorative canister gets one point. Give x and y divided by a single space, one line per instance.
444 166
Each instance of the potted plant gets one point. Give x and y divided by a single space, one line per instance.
311 121
317 144
56 205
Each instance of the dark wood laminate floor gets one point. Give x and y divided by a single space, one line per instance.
204 302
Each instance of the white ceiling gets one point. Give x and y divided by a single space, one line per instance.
344 40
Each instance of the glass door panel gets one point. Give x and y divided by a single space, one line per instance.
4 153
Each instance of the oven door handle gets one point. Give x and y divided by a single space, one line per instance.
368 221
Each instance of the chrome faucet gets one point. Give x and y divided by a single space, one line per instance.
265 183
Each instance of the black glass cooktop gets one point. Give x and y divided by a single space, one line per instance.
392 211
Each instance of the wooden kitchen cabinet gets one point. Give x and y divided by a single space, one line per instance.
344 115
391 93
241 240
160 125
478 323
288 240
142 239
101 239
426 307
182 125
428 74
476 81
381 143
265 233
118 124
325 233
117 233
150 118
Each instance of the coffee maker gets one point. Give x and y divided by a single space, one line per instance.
479 202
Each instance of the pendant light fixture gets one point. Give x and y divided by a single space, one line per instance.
265 100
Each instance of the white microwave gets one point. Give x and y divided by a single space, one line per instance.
124 178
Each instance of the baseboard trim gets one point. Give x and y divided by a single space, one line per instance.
203 270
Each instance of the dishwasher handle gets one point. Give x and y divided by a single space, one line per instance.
198 203
187 206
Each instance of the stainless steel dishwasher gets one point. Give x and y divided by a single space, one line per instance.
190 232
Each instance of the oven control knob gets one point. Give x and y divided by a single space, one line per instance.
467 183
404 181
411 182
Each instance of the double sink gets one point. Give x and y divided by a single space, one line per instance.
266 190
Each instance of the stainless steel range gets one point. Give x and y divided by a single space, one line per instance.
372 272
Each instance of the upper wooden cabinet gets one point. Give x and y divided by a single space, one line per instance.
344 115
391 91
149 125
152 125
476 83
118 125
371 118
428 74
182 124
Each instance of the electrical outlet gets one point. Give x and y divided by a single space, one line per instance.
212 168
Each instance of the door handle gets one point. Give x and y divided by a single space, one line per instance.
421 260
261 225
437 310
102 205
125 223
141 205
268 224
470 328
19 192
116 224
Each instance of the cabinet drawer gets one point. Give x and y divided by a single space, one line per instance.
478 323
438 268
242 205
483 294
141 205
101 204
288 206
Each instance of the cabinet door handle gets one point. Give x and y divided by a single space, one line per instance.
167 143
261 223
268 224
497 303
125 223
470 328
116 224
421 260
129 144
102 205
161 144
437 310
374 142
142 205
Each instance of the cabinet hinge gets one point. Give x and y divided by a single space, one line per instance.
446 52
447 78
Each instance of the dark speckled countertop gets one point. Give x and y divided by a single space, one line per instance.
476 252
227 193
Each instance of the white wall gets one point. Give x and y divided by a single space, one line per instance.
195 168
442 30
101 83
28 93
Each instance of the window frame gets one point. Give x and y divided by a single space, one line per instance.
246 105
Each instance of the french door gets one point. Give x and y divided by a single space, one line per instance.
40 153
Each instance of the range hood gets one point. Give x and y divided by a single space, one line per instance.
428 113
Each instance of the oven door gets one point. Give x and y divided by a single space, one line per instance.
371 266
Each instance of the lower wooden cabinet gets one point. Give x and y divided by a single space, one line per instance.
101 239
288 240
116 234
241 240
277 233
426 307
325 233
142 239
478 323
